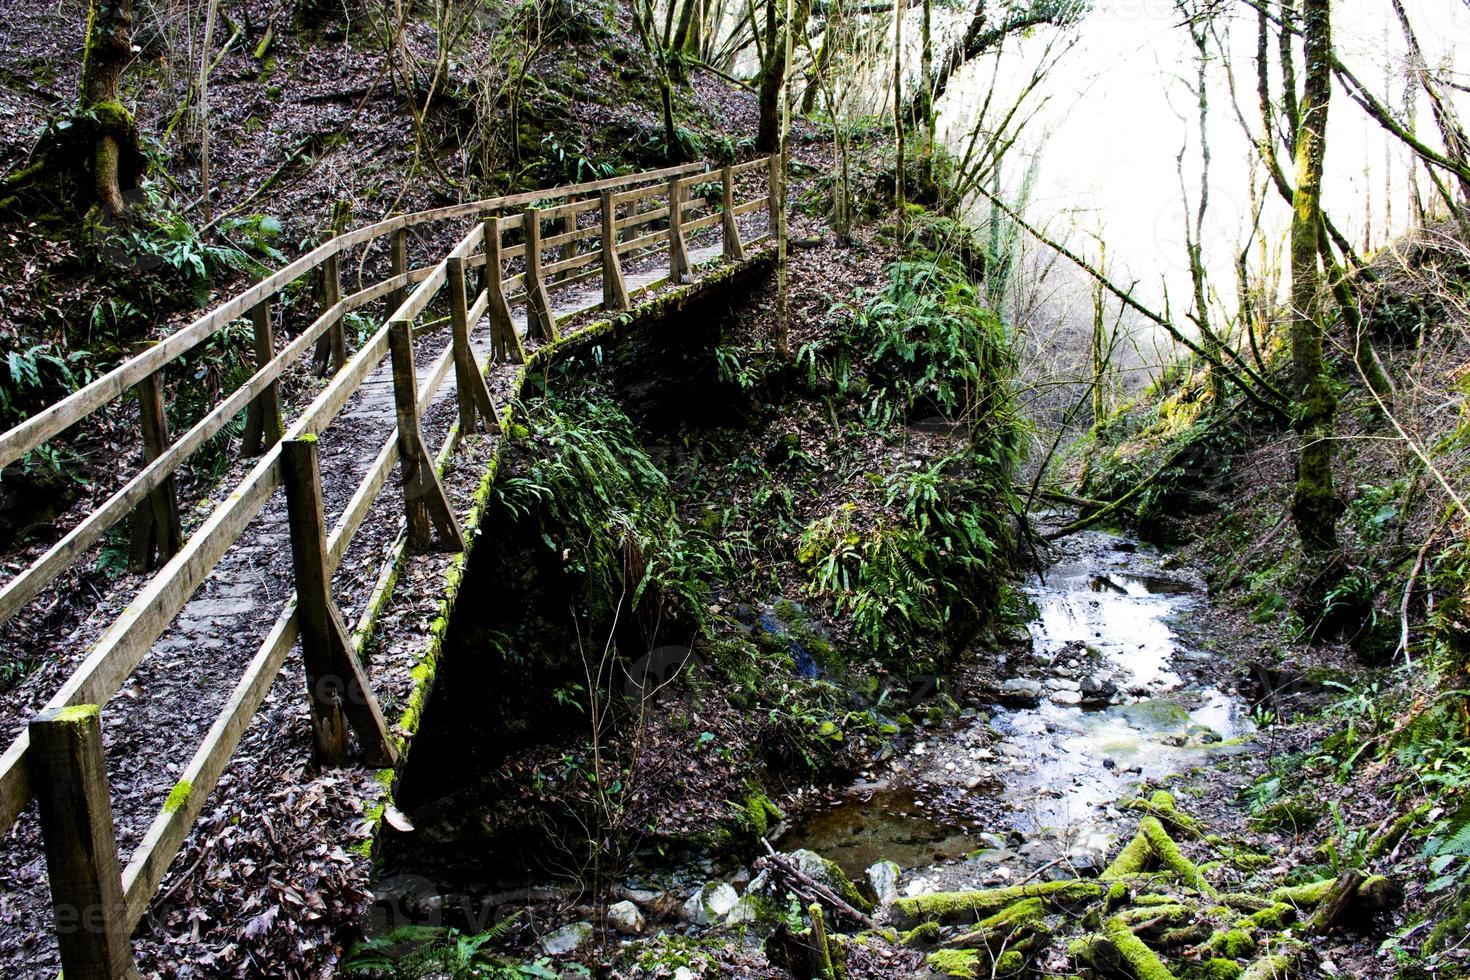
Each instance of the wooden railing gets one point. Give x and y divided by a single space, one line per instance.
59 759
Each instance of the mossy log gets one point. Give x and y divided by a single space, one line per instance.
1281 961
1133 859
1161 806
1370 896
972 906
1141 962
1171 857
1017 925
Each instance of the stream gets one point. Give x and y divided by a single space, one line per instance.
1110 696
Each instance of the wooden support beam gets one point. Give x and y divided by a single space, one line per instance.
331 350
505 343
336 685
70 775
473 394
678 254
264 424
734 249
157 531
424 499
398 265
540 321
614 290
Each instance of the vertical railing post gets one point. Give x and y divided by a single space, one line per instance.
472 394
264 425
614 290
734 249
69 773
336 686
678 254
773 191
157 531
331 350
539 319
505 343
426 506
398 265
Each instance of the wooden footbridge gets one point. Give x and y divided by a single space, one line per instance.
552 270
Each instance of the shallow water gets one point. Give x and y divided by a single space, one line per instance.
1106 609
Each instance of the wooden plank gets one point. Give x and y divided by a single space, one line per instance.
513 252
424 500
337 689
264 423
157 530
679 269
614 290
759 163
398 263
470 390
80 844
571 237
170 828
642 194
662 235
505 343
699 224
575 262
331 350
541 319
422 296
733 248
749 206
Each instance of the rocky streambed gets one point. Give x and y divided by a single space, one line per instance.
1107 698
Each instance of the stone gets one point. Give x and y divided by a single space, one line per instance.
1061 684
567 939
749 909
625 918
994 842
1066 698
710 904
1097 690
1021 691
1088 855
827 873
684 973
1157 715
883 879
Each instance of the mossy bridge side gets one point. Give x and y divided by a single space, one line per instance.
555 271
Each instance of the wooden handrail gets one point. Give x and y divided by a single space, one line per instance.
310 614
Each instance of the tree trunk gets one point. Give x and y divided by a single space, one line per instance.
773 69
108 47
1314 506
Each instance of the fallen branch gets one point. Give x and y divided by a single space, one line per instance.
808 888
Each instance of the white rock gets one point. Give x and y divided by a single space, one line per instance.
711 903
625 918
746 911
568 938
883 878
684 973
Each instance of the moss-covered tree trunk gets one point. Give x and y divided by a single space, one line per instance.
773 69
1314 505
107 49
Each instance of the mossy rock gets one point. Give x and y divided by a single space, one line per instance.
965 963
1235 944
1157 715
